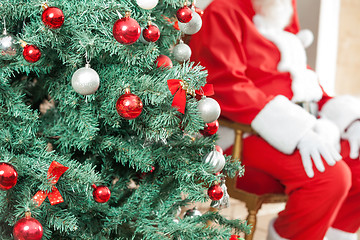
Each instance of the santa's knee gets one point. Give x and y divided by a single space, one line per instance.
335 182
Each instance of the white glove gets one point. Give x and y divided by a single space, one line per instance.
313 146
328 131
352 134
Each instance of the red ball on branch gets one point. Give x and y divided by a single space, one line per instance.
52 17
210 128
31 53
235 237
163 61
151 33
215 192
184 14
8 176
126 30
143 174
129 106
199 11
101 194
219 149
28 228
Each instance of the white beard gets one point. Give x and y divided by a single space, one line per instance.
276 13
272 16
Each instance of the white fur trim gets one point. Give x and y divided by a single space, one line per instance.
276 14
306 37
226 137
272 234
336 234
282 124
342 110
304 85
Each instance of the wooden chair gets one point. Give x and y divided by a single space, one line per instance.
252 200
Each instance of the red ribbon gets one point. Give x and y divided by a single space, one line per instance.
54 173
176 89
179 93
206 90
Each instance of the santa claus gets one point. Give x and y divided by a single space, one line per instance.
309 141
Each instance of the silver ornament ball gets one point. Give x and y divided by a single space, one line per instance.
209 109
182 52
192 213
193 26
147 4
85 81
216 160
141 38
9 46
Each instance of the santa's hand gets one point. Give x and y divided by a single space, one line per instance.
352 134
328 131
312 146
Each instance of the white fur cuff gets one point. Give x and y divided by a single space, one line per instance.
282 124
336 234
342 110
226 137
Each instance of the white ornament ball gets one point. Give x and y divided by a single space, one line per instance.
216 160
182 52
209 109
9 46
147 4
191 213
193 26
85 81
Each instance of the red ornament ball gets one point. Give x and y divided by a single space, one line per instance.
31 53
151 33
126 30
101 193
219 149
143 174
199 11
53 17
163 61
235 237
215 192
28 228
8 176
210 128
184 14
129 106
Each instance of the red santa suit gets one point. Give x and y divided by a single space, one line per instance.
259 73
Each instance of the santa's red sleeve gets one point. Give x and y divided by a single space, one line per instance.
218 46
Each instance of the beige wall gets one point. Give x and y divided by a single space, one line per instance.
308 11
348 62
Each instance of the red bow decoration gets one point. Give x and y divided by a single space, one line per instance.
54 173
179 88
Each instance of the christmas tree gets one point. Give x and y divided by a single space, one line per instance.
100 119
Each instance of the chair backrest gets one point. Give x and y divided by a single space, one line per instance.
239 129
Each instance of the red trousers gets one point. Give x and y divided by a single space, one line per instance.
329 199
